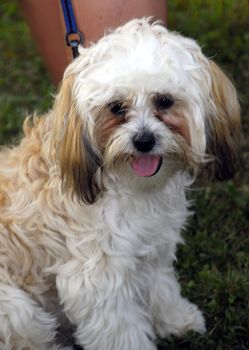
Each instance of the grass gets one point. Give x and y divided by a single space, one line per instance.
213 266
24 83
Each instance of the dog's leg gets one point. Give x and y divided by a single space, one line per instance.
172 313
23 323
106 317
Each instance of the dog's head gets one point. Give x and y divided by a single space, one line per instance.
144 100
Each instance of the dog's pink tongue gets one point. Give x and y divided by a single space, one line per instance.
145 165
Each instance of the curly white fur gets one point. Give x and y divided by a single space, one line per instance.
78 224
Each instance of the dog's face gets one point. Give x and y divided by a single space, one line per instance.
145 102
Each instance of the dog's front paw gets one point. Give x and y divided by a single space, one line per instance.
180 319
194 320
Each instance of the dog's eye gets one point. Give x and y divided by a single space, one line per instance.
164 101
118 108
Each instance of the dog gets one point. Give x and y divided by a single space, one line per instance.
92 200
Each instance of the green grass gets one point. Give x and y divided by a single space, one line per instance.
213 265
24 84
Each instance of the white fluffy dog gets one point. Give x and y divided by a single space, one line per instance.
92 201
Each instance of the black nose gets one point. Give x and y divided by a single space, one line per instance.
144 142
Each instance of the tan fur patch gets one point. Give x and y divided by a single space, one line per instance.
106 124
73 145
223 125
177 122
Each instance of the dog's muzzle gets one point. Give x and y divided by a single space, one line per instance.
145 164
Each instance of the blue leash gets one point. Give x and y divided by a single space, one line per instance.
73 36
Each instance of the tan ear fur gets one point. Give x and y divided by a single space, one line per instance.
223 125
78 161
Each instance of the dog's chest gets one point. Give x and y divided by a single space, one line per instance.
139 225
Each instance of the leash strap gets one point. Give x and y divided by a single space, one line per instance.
73 36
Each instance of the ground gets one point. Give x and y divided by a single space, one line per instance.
213 265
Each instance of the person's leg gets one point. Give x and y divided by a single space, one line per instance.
45 22
94 18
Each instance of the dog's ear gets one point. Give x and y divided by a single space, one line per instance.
222 125
79 162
